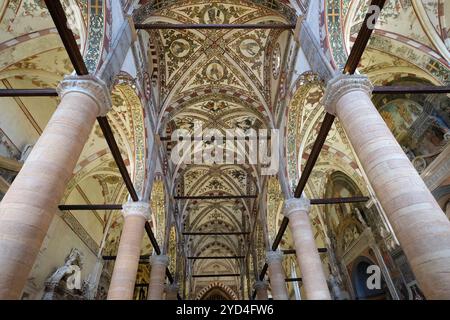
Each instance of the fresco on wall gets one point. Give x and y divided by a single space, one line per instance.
421 126
399 115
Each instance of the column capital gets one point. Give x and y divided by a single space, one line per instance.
89 85
342 84
261 285
274 257
296 204
161 260
141 209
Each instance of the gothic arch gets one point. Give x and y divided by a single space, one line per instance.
219 285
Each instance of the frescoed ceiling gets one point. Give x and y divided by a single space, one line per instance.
411 36
219 79
232 60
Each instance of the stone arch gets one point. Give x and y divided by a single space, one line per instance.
342 219
297 130
217 285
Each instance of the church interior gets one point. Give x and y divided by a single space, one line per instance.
352 97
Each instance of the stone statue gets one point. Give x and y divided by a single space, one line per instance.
65 282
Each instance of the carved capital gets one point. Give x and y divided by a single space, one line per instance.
141 209
341 85
89 85
294 205
261 285
274 257
160 260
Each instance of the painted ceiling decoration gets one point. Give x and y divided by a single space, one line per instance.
275 203
29 20
221 79
211 61
157 201
420 44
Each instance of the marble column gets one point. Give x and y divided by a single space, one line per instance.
277 275
157 277
127 261
313 276
261 290
29 206
172 291
421 227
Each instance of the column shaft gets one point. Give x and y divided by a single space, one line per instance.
261 290
277 275
421 227
127 261
157 277
29 206
313 276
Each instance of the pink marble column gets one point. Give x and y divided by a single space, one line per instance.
127 261
261 290
157 277
172 291
277 275
313 276
421 227
29 206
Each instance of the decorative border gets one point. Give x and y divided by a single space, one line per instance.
99 33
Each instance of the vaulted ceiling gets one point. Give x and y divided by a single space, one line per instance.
411 37
219 79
